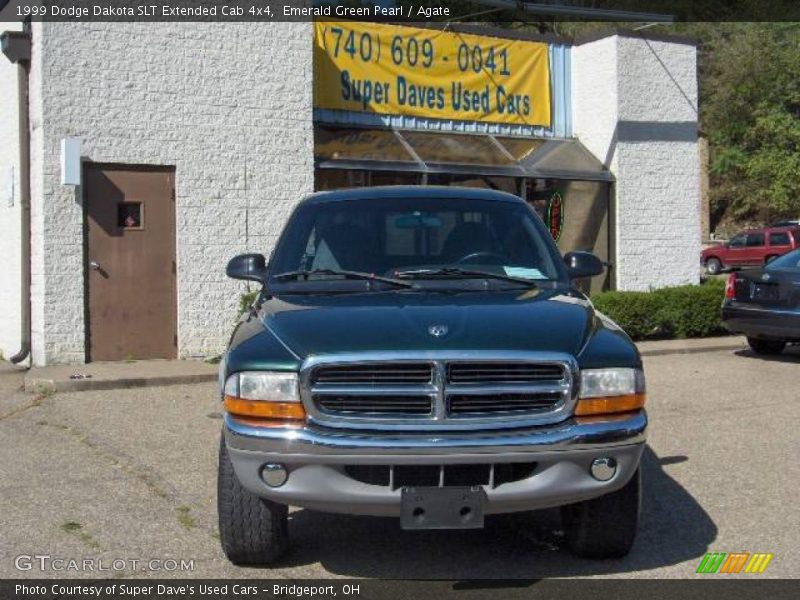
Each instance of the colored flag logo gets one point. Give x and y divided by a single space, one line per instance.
734 562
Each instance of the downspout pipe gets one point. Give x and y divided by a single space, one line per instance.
16 46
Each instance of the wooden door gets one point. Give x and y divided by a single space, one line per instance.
130 255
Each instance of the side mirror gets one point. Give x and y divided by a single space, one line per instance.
582 264
251 267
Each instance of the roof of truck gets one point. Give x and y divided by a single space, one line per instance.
411 191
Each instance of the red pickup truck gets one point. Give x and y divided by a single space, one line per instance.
751 248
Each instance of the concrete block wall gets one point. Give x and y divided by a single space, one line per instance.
595 106
635 107
9 206
228 105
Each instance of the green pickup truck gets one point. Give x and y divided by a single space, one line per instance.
422 353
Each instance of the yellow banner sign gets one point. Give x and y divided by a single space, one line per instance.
386 69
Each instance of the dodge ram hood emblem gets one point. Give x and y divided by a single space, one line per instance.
438 330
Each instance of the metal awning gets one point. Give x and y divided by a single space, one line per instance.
460 153
565 159
368 149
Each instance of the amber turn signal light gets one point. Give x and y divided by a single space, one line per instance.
610 404
261 409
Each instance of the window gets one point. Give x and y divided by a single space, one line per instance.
738 241
755 239
129 215
787 262
779 239
386 235
334 179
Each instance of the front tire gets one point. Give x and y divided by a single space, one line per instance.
604 527
713 266
252 530
767 347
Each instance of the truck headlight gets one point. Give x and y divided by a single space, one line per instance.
613 390
264 395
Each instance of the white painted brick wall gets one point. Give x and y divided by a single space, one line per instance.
10 274
229 105
650 144
594 97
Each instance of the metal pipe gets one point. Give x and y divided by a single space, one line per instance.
25 214
17 50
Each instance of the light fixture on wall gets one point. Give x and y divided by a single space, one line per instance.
71 161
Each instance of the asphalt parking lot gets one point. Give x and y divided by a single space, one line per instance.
131 475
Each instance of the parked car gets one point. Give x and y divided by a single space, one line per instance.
751 248
764 304
421 353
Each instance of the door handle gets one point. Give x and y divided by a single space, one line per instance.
94 266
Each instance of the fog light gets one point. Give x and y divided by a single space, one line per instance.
274 475
603 469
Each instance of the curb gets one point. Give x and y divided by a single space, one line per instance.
718 347
689 350
40 385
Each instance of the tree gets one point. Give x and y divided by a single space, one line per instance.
750 110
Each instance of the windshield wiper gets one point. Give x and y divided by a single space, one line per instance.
458 272
345 274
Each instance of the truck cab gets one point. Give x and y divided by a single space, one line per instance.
423 353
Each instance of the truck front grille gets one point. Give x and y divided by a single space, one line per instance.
441 392
374 404
461 475
375 374
502 372
464 404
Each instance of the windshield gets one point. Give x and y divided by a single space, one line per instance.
789 261
448 238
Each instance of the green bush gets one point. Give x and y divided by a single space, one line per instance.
678 312
635 312
246 300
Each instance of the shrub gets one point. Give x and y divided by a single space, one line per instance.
246 300
677 312
635 312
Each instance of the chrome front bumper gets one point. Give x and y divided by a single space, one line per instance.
315 459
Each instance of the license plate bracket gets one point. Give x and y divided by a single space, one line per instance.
442 507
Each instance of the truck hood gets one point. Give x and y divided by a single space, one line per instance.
712 249
546 320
